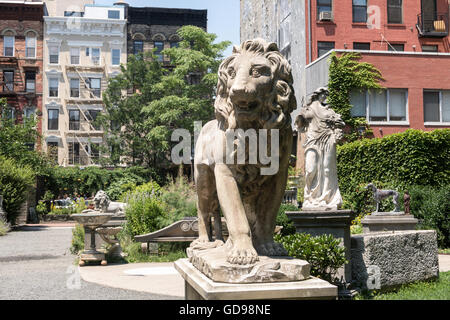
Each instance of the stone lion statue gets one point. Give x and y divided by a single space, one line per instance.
101 201
254 92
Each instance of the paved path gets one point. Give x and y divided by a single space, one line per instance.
35 263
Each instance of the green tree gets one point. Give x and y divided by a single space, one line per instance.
347 73
17 141
163 98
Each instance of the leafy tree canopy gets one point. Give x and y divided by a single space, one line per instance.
150 99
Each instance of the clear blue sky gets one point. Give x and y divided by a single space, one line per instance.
223 15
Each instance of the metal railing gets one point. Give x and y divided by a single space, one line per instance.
430 25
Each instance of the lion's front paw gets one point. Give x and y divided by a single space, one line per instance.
272 249
242 256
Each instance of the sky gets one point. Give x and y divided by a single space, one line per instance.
223 15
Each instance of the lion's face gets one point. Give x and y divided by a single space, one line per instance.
250 82
255 88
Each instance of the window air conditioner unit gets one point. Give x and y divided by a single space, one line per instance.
326 16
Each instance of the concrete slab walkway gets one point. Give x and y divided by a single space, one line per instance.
444 262
156 278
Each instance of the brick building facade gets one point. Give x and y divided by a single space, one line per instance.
150 28
21 52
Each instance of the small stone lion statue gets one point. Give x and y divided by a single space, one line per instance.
254 92
101 201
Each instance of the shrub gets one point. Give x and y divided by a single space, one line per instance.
284 221
77 239
15 180
324 253
179 200
432 207
143 213
41 208
4 227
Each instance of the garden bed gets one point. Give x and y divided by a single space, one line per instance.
56 217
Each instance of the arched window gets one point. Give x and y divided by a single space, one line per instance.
30 45
8 43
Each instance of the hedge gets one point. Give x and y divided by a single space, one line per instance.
413 157
15 181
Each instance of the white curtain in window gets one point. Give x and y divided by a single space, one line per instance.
358 101
377 105
397 104
445 106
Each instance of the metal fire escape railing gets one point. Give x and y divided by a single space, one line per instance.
433 25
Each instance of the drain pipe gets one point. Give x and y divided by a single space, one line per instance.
309 31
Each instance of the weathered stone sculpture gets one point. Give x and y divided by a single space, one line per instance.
101 201
323 128
254 93
406 201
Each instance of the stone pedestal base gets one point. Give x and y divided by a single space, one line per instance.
320 222
200 287
89 257
389 259
388 222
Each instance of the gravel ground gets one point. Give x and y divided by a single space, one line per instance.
35 263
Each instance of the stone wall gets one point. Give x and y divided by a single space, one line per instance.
389 259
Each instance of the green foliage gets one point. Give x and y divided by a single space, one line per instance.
179 199
41 208
77 239
284 221
347 74
432 207
397 161
15 181
143 213
4 227
425 290
163 99
324 253
88 181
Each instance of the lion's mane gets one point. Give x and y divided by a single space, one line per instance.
277 109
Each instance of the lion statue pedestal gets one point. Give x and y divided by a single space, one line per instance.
255 98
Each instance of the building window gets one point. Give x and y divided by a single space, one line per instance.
430 48
324 5
113 14
74 119
95 86
73 14
30 113
75 88
380 106
159 47
361 45
9 113
8 46
53 54
30 46
138 46
53 86
30 81
95 152
174 44
95 56
52 150
91 115
74 153
74 55
394 8
359 10
436 106
8 79
399 47
115 57
53 119
323 47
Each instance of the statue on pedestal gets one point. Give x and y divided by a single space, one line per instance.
254 100
323 128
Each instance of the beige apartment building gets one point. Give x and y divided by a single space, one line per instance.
82 50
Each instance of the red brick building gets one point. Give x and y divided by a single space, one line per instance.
408 41
21 63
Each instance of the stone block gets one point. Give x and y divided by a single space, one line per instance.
388 222
389 259
200 287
